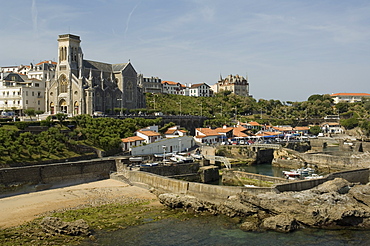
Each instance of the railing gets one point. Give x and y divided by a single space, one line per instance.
220 159
267 146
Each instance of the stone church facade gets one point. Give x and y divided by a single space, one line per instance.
84 87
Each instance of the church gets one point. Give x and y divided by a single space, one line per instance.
86 87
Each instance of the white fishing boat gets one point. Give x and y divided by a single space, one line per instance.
149 164
314 176
301 173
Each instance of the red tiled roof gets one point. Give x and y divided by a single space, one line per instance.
224 130
51 62
253 123
351 94
268 133
170 82
239 132
207 132
301 128
132 139
170 131
150 133
197 85
285 128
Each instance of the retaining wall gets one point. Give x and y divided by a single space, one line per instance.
335 162
183 187
240 174
24 179
178 169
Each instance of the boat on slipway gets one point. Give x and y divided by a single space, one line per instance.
301 173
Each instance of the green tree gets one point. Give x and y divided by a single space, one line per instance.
349 123
315 130
61 118
30 113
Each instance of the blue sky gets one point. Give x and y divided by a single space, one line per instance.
288 49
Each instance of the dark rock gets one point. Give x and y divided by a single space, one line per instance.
361 193
334 204
54 225
339 185
280 223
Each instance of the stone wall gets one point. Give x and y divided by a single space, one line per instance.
354 176
165 184
178 169
324 162
240 174
26 179
335 162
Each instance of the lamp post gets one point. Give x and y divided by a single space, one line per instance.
180 106
221 109
121 109
154 101
164 153
236 117
261 112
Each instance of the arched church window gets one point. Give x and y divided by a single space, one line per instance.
75 55
130 90
64 53
63 84
61 54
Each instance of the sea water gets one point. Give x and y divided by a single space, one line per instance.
220 230
263 169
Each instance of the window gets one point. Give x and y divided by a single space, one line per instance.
63 84
27 93
33 93
26 101
37 85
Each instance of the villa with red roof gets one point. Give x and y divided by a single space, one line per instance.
129 142
348 97
171 87
200 90
149 136
174 132
206 135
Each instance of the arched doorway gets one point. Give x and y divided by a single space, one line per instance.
75 108
63 106
52 108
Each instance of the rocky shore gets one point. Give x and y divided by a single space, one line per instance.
332 205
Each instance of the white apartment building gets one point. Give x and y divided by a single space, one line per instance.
348 97
200 90
18 92
170 87
23 87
